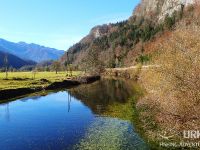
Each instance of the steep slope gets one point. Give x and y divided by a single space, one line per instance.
158 9
13 61
78 52
121 44
32 52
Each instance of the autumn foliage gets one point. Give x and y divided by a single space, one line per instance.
173 88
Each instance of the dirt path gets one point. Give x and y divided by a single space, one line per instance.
133 67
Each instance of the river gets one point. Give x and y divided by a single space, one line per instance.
77 118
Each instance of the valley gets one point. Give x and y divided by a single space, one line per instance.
134 83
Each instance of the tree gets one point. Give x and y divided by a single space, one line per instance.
34 72
56 66
170 21
66 66
143 59
174 87
93 63
6 65
117 56
47 68
70 69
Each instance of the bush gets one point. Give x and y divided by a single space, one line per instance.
170 21
143 59
173 88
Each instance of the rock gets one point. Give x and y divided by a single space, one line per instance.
158 9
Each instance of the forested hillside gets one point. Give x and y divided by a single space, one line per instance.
122 44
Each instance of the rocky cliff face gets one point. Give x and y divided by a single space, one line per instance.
158 9
96 32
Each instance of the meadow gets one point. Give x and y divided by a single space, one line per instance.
32 80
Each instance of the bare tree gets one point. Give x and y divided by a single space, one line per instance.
66 67
56 66
173 89
70 69
6 65
66 63
92 63
34 72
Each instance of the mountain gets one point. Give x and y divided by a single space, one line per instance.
122 44
159 9
32 51
13 61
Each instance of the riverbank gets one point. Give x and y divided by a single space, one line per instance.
130 111
140 114
163 112
18 86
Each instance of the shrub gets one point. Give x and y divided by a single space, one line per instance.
173 88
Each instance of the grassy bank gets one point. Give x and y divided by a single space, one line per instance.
27 80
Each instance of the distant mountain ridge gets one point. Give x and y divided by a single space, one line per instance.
13 61
31 51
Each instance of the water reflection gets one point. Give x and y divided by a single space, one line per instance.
43 122
5 111
69 99
69 119
103 93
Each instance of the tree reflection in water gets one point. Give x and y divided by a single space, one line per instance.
99 95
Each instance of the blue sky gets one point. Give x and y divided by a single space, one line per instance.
58 23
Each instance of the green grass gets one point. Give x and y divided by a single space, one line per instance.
25 79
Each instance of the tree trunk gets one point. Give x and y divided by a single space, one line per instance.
6 73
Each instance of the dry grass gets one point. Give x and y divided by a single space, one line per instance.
173 89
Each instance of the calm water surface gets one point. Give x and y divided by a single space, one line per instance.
71 119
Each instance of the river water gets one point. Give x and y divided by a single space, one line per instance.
70 119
